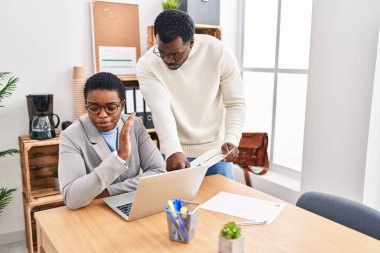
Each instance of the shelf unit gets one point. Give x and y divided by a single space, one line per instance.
38 158
213 30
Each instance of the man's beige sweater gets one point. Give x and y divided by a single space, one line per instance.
199 106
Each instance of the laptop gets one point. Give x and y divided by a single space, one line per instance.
154 191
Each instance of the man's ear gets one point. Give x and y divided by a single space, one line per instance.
191 43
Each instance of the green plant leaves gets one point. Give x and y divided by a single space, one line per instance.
230 231
8 84
8 152
171 4
5 197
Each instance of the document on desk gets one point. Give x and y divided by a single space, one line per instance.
244 207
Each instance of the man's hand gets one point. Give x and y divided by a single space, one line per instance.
124 140
177 161
105 193
227 147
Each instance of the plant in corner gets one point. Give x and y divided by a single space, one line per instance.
7 86
171 4
230 239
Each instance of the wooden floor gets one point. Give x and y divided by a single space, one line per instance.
17 247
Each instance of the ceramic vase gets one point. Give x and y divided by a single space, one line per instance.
231 246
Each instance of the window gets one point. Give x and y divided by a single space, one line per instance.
275 56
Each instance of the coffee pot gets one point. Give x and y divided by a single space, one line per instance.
41 122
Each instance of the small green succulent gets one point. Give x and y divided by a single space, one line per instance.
230 231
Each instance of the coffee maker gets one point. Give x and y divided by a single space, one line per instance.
41 122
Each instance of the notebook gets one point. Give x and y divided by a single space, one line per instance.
154 191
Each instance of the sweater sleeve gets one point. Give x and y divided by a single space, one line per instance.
233 97
158 101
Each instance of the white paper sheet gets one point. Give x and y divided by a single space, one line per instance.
209 158
117 60
244 207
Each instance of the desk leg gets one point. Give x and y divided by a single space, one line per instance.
40 249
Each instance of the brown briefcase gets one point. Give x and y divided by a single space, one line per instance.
253 151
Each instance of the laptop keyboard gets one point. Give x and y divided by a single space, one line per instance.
126 208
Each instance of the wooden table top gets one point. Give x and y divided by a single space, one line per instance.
96 228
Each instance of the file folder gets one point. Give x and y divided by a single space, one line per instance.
135 103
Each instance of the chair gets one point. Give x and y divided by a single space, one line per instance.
346 212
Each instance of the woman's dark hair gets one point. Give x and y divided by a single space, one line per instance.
171 23
104 81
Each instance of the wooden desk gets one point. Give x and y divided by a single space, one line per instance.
96 228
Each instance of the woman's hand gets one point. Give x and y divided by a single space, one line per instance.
124 139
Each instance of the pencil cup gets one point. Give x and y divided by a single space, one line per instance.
182 226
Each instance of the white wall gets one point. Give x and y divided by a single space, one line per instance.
40 42
341 75
372 172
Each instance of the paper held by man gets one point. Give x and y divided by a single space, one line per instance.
209 158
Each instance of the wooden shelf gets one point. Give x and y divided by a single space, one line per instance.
30 223
52 199
38 158
213 30
129 81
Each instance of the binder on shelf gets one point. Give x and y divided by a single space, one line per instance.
135 103
130 100
148 117
139 101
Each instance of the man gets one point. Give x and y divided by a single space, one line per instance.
193 86
100 154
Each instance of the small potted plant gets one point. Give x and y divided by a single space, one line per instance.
230 239
171 4
55 175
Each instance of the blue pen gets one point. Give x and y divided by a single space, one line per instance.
172 212
178 205
169 213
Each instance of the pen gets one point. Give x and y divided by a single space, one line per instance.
169 213
174 213
178 205
180 231
184 212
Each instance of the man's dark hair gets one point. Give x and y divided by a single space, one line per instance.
104 81
170 24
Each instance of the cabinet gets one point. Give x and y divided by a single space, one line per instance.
38 157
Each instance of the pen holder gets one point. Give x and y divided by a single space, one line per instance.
182 228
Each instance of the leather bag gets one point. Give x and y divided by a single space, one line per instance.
253 154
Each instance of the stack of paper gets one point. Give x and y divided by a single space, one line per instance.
244 207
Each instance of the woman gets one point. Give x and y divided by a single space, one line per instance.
101 153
